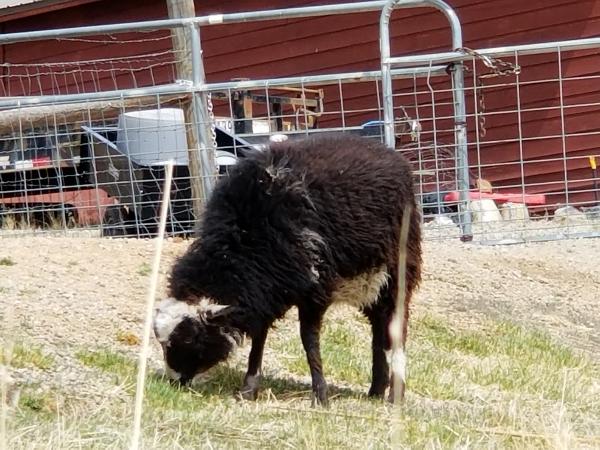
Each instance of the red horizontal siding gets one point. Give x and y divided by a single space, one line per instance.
347 43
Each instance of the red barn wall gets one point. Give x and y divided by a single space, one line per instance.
350 42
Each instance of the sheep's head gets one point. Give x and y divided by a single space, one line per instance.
194 336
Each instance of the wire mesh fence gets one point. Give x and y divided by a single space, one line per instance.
65 159
83 140
123 61
532 144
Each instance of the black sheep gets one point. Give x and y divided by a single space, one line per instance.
306 223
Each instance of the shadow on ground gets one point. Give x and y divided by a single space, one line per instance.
225 381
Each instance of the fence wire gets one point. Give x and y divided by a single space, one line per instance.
69 165
95 165
533 147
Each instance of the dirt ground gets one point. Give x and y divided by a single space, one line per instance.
81 293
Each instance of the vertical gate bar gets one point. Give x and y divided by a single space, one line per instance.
520 130
462 152
342 111
24 172
419 156
386 76
435 144
60 174
563 136
203 121
477 90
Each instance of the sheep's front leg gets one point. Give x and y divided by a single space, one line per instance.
310 328
249 390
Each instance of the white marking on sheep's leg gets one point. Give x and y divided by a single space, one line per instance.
388 358
398 364
397 361
253 375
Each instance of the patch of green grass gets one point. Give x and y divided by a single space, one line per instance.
500 354
38 402
159 391
449 363
350 366
489 387
144 270
6 261
26 356
106 360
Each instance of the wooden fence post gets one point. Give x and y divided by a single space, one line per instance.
182 46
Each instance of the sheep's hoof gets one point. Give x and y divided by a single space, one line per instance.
319 396
249 390
247 394
377 392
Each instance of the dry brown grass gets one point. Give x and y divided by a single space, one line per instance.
498 386
480 375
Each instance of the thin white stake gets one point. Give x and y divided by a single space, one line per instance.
397 324
5 374
396 328
141 375
4 377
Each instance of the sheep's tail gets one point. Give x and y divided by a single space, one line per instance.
398 324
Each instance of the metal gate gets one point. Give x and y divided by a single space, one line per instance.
83 142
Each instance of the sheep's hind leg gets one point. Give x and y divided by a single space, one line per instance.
310 327
379 316
249 390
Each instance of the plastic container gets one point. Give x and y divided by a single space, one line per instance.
152 137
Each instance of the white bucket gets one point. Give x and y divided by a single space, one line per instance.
485 211
153 137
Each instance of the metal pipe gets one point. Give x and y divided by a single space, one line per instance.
201 114
386 61
386 78
213 19
39 100
497 52
290 13
307 80
458 94
462 153
186 87
219 19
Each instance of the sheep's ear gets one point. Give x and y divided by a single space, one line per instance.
214 310
208 309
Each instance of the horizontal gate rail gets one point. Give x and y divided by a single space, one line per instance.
497 52
185 87
214 19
